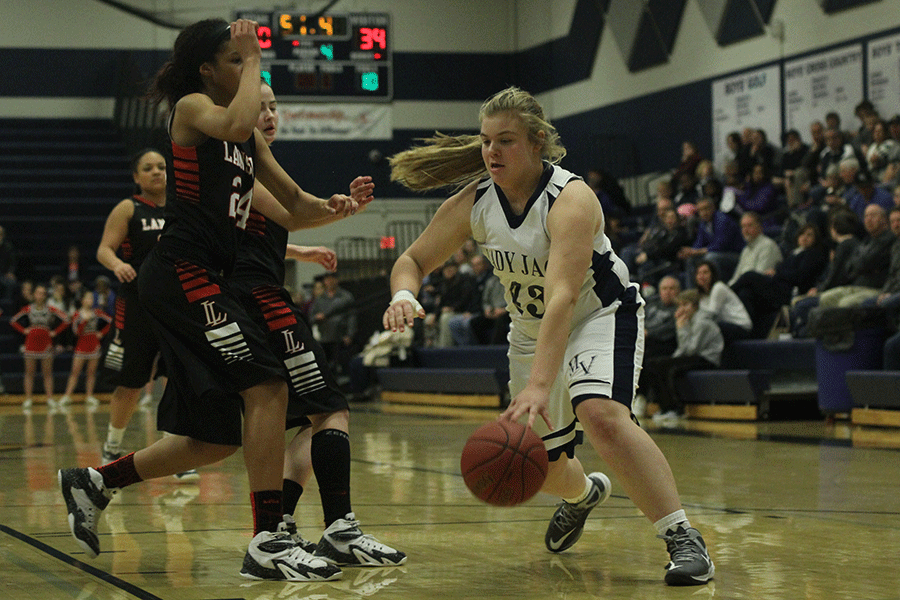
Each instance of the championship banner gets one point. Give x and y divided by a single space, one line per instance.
884 74
752 99
823 83
334 122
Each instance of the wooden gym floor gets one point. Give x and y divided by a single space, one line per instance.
789 510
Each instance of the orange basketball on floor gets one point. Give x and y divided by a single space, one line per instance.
504 463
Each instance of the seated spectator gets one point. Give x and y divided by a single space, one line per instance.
690 158
654 227
454 293
659 319
700 346
889 295
836 149
659 254
764 294
843 225
458 323
790 175
882 151
718 240
8 261
867 268
760 253
492 325
736 154
687 190
761 151
722 304
866 193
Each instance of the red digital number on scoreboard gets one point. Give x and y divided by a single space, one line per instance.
372 37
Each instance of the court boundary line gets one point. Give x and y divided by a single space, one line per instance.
121 584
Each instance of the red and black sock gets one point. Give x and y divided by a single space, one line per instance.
330 455
267 511
120 473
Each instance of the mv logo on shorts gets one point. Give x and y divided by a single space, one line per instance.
581 365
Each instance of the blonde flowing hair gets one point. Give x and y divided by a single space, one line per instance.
453 161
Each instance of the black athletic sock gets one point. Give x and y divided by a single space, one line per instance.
331 464
267 511
120 473
291 492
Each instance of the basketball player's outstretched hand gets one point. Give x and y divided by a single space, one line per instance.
339 204
402 311
532 402
361 190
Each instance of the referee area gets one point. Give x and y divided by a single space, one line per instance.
788 510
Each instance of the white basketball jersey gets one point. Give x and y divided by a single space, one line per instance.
518 246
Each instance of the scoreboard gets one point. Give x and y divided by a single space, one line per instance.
325 57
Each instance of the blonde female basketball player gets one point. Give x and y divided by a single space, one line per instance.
576 341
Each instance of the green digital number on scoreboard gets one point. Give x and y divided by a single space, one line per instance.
328 57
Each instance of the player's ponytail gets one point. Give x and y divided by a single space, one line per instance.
195 45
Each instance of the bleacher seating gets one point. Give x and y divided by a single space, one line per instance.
753 375
876 397
59 178
460 376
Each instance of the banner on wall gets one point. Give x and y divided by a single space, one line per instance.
334 122
884 75
751 99
822 83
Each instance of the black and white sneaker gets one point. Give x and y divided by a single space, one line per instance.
289 526
275 556
344 544
567 523
86 496
689 562
110 453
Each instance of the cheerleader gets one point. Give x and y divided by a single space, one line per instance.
89 324
40 323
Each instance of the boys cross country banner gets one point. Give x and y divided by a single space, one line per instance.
334 122
822 83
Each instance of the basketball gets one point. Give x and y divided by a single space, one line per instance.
504 463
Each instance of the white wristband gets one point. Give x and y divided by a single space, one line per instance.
407 295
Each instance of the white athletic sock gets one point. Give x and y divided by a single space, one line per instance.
583 495
114 437
669 522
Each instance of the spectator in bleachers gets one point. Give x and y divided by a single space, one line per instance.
758 195
736 154
454 296
458 324
718 240
103 295
761 151
40 323
764 294
690 158
894 128
810 166
836 149
732 184
791 175
491 326
699 347
663 202
25 295
336 322
686 192
72 269
867 193
659 251
867 268
868 116
659 319
843 225
8 262
889 295
882 151
722 304
760 254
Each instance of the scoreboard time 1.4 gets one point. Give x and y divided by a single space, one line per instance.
327 57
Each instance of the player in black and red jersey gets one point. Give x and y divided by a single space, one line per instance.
131 231
212 348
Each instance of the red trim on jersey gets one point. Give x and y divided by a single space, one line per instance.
256 222
120 312
186 167
274 309
145 201
194 282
